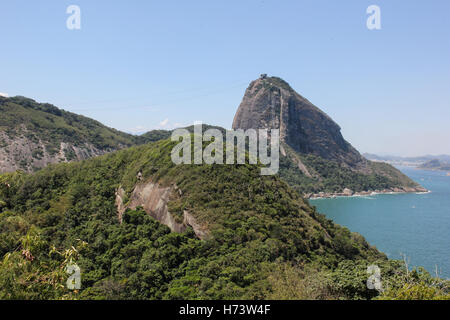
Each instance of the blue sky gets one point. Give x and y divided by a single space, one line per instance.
138 65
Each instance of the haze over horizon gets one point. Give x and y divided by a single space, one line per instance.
174 64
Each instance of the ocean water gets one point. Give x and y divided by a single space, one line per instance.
415 225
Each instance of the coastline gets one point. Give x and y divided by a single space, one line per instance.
349 193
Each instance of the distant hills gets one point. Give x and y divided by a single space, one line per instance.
435 164
315 156
442 157
439 162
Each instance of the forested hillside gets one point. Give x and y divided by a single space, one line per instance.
33 135
264 241
311 174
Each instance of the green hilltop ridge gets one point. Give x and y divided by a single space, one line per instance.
315 158
140 227
261 240
33 135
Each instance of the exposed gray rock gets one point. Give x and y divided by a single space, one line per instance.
23 153
154 198
347 192
271 103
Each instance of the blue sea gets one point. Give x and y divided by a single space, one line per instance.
414 225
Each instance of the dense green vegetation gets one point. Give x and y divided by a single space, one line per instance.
156 135
330 176
45 122
265 241
39 129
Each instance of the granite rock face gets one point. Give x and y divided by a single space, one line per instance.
316 159
271 103
27 152
154 199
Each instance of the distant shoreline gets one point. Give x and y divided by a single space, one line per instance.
414 165
348 193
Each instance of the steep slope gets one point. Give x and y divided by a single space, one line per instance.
33 135
261 239
254 225
316 157
272 103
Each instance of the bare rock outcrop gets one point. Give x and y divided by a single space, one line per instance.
154 198
271 103
24 153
